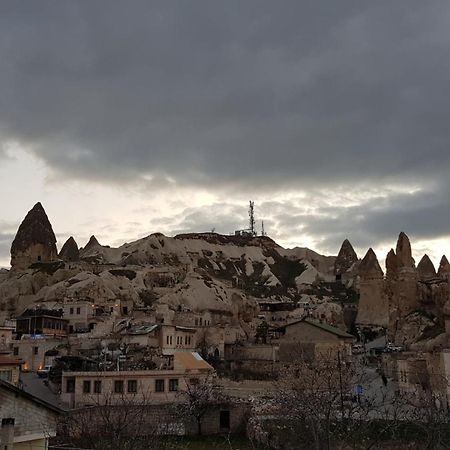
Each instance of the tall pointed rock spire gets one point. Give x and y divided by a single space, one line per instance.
403 252
35 240
346 258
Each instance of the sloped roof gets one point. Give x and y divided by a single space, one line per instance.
191 361
21 393
323 326
9 360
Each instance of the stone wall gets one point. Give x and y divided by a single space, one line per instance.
32 420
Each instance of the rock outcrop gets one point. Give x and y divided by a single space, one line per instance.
444 268
425 269
69 251
346 259
391 265
373 303
403 252
35 240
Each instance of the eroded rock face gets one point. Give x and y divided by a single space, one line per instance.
403 252
369 266
35 240
425 269
373 303
69 251
346 258
444 268
391 265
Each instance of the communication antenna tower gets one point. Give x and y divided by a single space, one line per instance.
251 213
263 233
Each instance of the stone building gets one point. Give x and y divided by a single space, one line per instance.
311 340
10 369
27 421
34 352
139 386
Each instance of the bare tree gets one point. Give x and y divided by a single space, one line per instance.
318 404
200 397
125 423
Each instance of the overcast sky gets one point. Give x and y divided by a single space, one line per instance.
127 118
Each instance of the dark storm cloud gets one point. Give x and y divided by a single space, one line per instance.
232 92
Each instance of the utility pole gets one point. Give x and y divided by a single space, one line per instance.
340 383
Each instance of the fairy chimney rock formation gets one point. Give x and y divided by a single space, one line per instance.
404 299
346 258
444 268
403 252
92 244
391 265
425 269
373 304
35 240
370 267
69 251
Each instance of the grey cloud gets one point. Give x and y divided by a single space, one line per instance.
233 93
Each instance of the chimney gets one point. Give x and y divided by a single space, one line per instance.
7 434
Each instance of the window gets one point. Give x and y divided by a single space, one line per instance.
6 375
71 310
159 385
86 387
15 351
70 386
170 340
132 386
125 310
173 384
78 310
97 387
35 350
167 339
118 386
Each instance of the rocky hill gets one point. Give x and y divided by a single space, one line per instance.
226 276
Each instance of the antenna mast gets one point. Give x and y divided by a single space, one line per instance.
251 213
263 233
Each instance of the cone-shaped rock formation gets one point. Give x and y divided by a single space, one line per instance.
69 251
444 268
35 240
425 269
346 258
369 266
